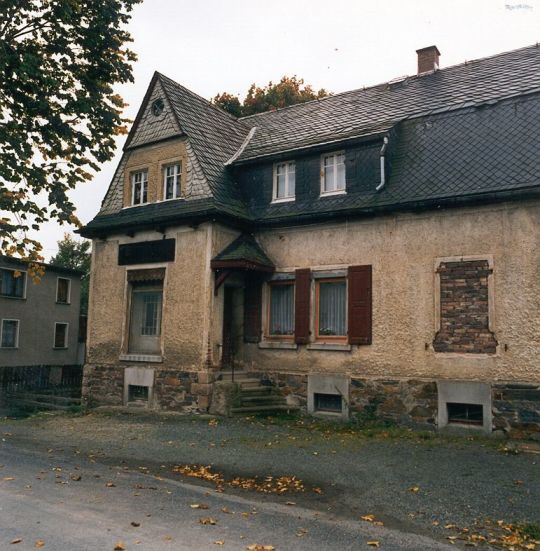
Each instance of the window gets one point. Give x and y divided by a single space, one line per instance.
172 181
138 394
145 319
327 402
12 283
331 320
60 335
10 334
469 414
139 187
333 173
281 311
63 290
284 181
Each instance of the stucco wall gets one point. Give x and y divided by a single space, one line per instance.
186 289
37 314
403 251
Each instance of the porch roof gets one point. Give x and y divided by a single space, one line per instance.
243 253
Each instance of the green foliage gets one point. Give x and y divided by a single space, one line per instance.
59 115
288 91
75 254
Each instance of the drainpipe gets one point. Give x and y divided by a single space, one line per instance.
383 171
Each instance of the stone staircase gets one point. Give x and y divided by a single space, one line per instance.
255 398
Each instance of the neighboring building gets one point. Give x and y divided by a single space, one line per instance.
39 322
374 252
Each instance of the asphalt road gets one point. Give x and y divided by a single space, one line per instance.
43 499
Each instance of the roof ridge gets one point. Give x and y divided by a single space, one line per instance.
386 83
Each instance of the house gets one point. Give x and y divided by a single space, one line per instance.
372 253
39 322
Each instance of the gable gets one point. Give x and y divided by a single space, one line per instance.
149 127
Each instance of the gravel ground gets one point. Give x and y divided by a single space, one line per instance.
420 483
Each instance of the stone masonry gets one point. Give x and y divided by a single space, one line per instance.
464 309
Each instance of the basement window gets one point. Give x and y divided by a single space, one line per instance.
327 402
468 414
138 394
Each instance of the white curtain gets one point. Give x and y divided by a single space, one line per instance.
282 310
332 308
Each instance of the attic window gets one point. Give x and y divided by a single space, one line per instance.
157 107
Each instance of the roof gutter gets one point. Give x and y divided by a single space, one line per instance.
383 167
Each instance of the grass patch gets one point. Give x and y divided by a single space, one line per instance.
530 531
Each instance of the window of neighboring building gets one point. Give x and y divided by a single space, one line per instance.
145 319
331 309
281 309
63 290
333 173
60 335
172 181
284 180
12 283
9 337
139 187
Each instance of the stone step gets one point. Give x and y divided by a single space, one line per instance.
268 409
259 389
267 398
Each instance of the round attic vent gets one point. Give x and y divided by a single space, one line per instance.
157 107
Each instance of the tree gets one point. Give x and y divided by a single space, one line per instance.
59 115
288 91
75 254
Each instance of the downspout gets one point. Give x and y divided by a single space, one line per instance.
382 161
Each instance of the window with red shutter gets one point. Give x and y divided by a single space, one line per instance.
359 304
301 306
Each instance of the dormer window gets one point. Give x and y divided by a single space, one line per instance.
172 181
333 173
139 187
284 181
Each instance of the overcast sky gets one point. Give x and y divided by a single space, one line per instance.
212 46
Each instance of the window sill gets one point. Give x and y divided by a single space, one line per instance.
9 348
148 358
332 346
279 345
283 200
12 298
60 347
331 193
63 303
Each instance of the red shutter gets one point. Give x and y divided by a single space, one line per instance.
302 298
252 309
360 304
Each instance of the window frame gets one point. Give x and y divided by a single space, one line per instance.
66 337
286 198
133 174
68 279
178 182
330 338
132 289
16 335
276 283
341 191
23 274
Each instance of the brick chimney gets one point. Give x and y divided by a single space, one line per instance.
428 59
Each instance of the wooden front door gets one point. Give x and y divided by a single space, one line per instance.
227 353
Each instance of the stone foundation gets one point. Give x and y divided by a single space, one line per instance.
515 407
173 390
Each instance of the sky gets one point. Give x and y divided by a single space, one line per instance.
212 46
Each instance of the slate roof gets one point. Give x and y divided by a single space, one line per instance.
364 111
244 249
442 159
214 135
459 133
